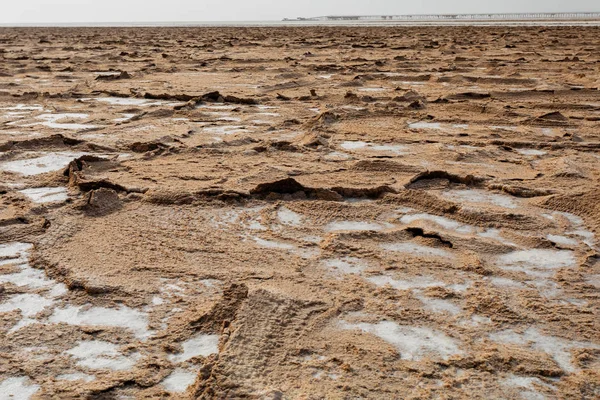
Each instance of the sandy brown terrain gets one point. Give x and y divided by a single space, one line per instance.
310 213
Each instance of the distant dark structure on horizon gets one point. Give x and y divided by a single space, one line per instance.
458 17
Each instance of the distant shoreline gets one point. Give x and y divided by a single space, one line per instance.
307 23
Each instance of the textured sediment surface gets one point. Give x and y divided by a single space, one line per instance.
305 213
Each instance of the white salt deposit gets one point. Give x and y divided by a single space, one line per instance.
95 354
18 388
559 349
27 276
372 89
270 244
46 194
179 380
123 317
289 217
24 107
525 382
438 305
531 152
14 252
413 343
199 345
506 283
536 262
358 145
225 130
425 125
128 101
51 121
563 240
157 301
416 250
29 304
445 223
480 197
413 283
48 162
337 226
126 117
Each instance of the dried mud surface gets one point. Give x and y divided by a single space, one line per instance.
305 213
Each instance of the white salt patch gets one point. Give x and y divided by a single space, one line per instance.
58 290
371 89
587 237
40 165
16 250
230 119
123 317
558 239
216 107
480 196
46 194
337 156
594 280
26 107
346 265
413 343
526 383
19 388
445 223
27 276
557 348
270 244
128 101
356 145
256 226
438 305
126 117
507 283
531 152
536 262
356 226
200 345
328 76
225 130
51 121
355 108
179 381
425 125
475 320
495 234
157 301
288 217
78 376
416 282
548 131
416 250
573 219
211 283
29 304
95 354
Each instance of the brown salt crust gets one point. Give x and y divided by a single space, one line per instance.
262 190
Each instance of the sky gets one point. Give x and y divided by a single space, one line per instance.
65 11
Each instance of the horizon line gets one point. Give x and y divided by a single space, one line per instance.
291 20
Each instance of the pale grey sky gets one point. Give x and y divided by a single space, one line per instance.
48 11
